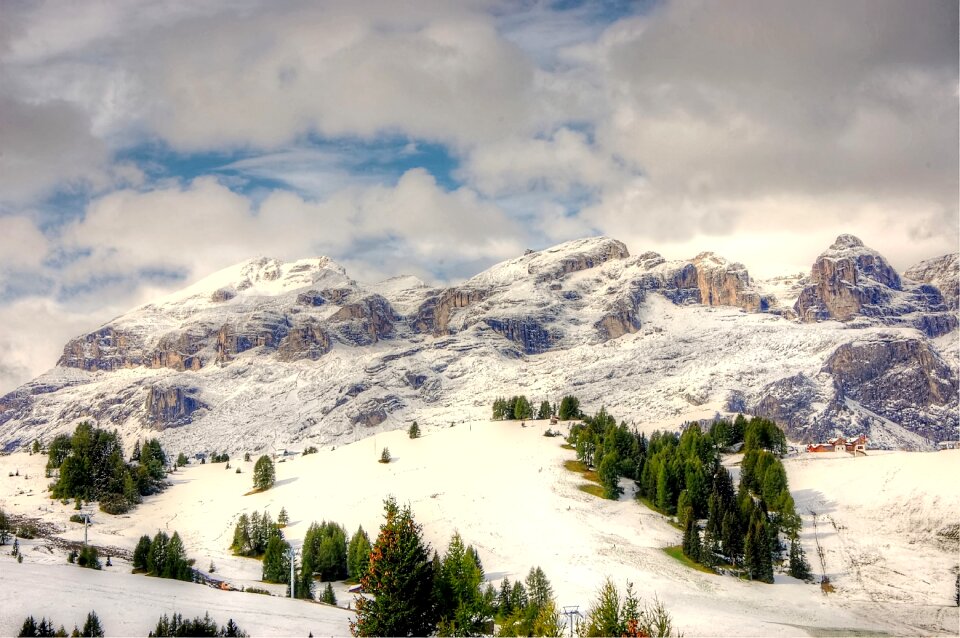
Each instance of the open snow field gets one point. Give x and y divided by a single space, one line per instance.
880 521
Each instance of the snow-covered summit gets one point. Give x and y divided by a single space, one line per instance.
260 276
303 352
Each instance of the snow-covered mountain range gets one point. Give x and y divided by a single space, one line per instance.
267 354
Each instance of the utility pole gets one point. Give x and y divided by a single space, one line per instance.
570 611
292 554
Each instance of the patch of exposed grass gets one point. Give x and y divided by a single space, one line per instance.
676 551
580 468
567 446
590 488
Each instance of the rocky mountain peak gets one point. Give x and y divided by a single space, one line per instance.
301 345
846 241
851 281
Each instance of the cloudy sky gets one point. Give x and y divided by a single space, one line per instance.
145 144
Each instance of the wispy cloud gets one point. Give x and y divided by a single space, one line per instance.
144 144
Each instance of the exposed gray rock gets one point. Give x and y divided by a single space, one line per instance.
375 411
527 332
171 405
306 339
106 349
366 321
942 272
222 294
901 379
433 316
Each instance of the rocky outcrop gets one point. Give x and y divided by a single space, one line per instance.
899 378
375 411
942 272
622 318
106 349
847 280
593 254
171 405
181 350
707 279
222 294
433 315
261 329
306 340
311 298
365 322
527 332
722 283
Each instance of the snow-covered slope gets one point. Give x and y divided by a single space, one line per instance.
885 523
271 355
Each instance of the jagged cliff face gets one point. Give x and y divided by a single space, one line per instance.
272 353
853 282
942 272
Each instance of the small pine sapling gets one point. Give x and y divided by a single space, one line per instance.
385 455
328 596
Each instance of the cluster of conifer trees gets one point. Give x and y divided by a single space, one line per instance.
43 628
175 625
414 593
519 407
163 556
681 475
91 467
326 553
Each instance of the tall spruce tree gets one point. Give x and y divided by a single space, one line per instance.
358 554
264 474
276 563
799 567
400 577
92 626
609 473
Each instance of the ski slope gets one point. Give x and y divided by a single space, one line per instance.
503 487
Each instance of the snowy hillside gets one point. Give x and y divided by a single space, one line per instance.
271 355
887 524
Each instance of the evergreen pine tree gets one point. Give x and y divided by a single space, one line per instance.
414 431
569 408
609 474
689 529
283 519
518 597
276 564
400 577
4 528
664 492
157 556
799 567
241 536
604 616
328 595
28 628
92 627
231 630
503 599
544 412
358 554
264 474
